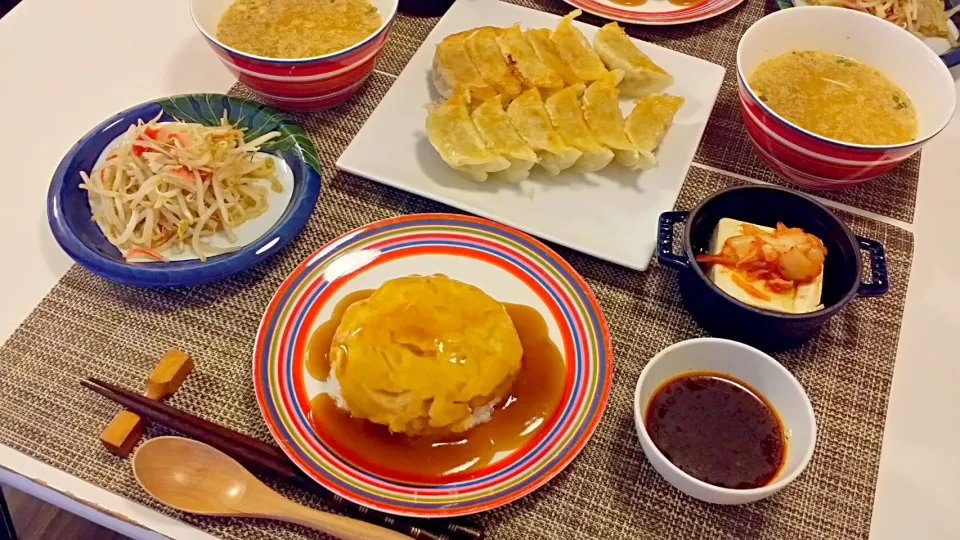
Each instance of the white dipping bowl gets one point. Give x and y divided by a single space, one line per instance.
758 370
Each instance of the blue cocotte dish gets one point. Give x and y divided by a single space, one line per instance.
723 315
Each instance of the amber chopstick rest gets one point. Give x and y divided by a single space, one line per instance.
261 457
126 428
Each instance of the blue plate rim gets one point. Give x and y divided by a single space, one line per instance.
182 273
950 58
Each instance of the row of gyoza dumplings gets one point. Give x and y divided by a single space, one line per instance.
562 101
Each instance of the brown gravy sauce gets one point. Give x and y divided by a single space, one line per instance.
529 407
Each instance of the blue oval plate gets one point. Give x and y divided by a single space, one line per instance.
70 216
941 46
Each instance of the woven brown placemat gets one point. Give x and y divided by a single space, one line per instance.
88 326
726 144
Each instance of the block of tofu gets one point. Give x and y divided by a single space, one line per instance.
804 298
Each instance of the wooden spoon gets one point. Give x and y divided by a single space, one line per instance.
195 477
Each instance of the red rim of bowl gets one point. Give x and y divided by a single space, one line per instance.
661 18
294 61
914 142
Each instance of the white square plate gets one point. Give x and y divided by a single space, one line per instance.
611 214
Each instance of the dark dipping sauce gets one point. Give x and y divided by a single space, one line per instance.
717 429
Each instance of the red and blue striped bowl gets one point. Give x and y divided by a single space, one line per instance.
815 161
298 83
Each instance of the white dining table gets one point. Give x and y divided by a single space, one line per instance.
65 66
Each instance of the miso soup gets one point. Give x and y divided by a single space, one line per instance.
835 97
296 28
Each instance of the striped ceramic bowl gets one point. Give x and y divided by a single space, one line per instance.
814 161
302 83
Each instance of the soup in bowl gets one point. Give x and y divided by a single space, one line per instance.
832 97
297 54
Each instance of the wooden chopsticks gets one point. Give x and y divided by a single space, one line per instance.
265 458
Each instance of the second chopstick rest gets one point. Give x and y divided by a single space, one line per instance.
126 428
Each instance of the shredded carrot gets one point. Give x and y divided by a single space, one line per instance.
750 289
162 240
182 172
146 253
717 259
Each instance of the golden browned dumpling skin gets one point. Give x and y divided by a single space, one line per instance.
539 39
486 56
527 66
641 75
453 135
529 117
563 107
503 140
452 66
425 355
601 110
647 123
575 50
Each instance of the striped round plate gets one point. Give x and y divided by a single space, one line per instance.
505 263
656 12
